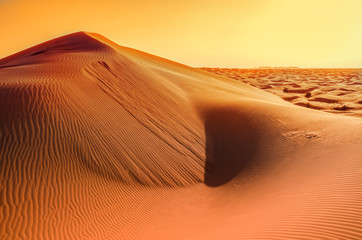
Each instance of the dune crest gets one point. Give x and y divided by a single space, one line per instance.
100 141
117 117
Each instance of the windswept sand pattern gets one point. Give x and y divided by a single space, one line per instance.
99 141
330 90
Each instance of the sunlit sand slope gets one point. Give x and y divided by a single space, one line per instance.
99 141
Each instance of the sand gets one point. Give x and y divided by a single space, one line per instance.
99 141
329 90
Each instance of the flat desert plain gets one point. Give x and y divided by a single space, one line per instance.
99 141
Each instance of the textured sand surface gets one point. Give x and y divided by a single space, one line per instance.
330 90
99 141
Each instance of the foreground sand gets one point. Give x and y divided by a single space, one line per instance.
99 141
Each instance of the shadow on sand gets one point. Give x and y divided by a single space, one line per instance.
231 144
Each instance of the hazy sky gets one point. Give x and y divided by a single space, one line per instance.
223 33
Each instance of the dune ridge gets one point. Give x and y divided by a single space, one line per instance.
100 141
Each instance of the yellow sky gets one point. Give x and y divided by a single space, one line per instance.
220 33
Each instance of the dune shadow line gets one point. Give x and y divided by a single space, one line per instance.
231 144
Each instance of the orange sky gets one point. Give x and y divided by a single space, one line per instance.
220 33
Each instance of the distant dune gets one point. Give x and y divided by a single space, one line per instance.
99 141
336 90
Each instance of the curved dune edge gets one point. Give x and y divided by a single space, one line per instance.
99 141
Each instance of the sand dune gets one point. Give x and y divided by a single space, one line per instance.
99 141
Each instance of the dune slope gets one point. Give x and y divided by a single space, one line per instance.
99 141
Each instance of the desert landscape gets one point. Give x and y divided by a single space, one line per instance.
100 141
331 90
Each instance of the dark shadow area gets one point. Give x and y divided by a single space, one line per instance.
231 144
39 52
